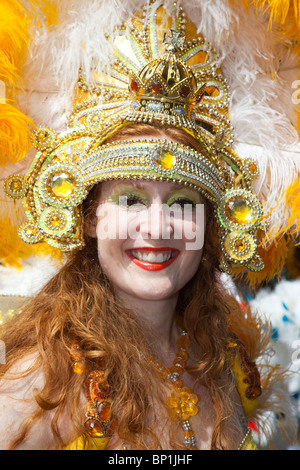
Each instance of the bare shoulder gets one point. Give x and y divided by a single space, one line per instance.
18 406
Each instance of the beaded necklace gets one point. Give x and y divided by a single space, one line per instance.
182 402
100 424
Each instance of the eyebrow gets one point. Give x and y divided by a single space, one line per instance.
139 185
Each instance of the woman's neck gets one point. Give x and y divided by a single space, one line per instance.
159 318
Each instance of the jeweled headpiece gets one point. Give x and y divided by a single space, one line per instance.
162 72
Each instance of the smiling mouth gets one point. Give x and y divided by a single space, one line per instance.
153 259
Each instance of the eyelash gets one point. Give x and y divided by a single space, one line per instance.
182 200
133 197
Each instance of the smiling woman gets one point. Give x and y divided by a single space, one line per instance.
143 227
125 301
135 343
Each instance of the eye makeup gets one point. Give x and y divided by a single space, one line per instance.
181 200
184 196
128 195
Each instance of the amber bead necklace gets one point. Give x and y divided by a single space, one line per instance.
182 402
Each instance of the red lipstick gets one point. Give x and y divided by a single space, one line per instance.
148 266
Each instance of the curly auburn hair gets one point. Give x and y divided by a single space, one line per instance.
78 304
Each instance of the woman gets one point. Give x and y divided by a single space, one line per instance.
122 311
124 348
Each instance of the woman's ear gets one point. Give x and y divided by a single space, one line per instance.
90 227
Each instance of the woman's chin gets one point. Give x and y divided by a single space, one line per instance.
150 292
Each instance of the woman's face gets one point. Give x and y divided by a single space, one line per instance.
150 236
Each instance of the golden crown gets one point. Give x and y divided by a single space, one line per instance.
162 72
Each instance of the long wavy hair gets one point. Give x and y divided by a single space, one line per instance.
78 304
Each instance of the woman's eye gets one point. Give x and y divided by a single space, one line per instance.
181 202
131 200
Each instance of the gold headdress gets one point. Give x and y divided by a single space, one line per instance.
162 72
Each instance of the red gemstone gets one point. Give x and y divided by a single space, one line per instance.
156 88
134 85
252 426
184 91
200 98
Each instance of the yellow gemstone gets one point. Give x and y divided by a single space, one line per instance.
94 428
185 397
78 367
240 245
173 401
16 185
62 185
30 231
179 362
240 211
55 221
194 398
193 410
253 168
164 158
104 411
189 433
42 135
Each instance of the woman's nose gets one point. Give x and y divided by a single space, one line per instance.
156 223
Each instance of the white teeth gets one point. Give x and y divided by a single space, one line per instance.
152 257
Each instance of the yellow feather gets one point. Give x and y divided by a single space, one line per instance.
292 262
274 258
283 13
292 196
49 9
298 96
13 250
14 134
14 40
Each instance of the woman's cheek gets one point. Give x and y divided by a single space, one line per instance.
192 227
111 223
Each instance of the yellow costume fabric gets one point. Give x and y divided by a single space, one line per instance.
100 444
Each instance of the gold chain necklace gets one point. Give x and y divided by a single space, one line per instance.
182 402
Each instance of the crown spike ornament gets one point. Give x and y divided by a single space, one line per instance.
161 72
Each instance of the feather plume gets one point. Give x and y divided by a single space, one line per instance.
274 258
254 329
13 250
14 134
15 125
14 39
293 208
285 13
